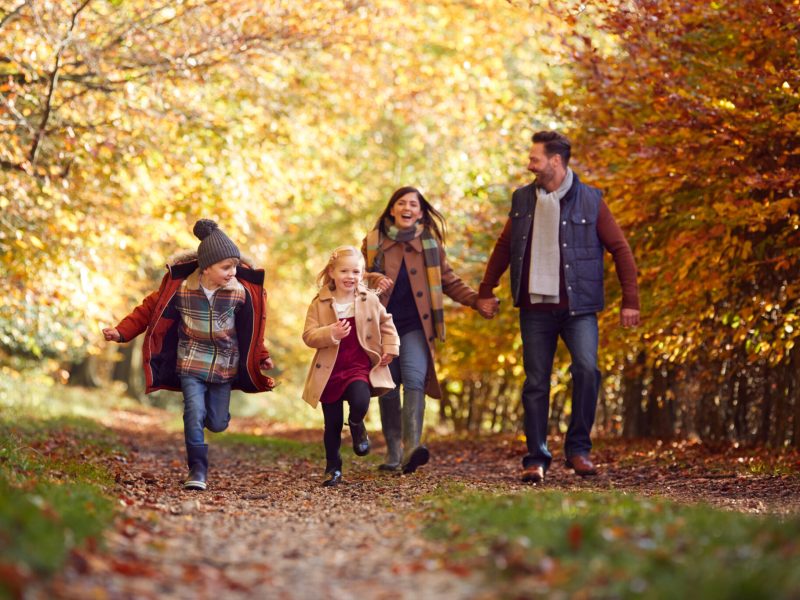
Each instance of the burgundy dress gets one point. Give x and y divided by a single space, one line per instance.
352 364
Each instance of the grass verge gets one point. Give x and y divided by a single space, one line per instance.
53 495
551 544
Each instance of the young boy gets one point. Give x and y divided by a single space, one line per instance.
204 336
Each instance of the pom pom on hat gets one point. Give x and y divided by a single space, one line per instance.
214 244
203 228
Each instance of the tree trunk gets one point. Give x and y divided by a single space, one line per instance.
632 388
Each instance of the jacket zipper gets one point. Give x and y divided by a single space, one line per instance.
211 332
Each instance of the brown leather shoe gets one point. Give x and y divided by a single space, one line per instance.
533 474
581 464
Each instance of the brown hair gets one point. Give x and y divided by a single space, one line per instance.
324 278
554 143
431 218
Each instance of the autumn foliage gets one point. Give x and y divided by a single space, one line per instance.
686 113
121 123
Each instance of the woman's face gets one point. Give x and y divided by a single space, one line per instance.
407 210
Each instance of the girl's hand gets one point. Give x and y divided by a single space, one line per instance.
111 334
341 330
383 285
266 364
386 359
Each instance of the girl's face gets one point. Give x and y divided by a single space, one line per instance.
406 211
346 272
220 273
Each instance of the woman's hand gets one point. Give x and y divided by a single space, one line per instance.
111 334
266 364
341 330
383 285
386 359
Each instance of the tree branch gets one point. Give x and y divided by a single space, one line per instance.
53 81
10 15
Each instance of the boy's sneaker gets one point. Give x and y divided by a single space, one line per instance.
196 480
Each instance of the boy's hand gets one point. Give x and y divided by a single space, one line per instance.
386 359
341 330
111 334
266 364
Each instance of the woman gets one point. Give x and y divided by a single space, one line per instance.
406 263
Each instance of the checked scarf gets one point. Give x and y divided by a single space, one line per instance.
430 253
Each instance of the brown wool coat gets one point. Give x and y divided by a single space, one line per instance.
394 253
376 335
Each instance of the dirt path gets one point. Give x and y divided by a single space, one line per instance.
271 531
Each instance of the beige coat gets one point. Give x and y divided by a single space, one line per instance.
394 253
376 335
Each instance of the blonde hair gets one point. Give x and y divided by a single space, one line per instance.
324 278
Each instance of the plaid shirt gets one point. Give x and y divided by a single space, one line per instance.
207 344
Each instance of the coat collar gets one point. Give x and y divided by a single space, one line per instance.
326 294
192 282
416 243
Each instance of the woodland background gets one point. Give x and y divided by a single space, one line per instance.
124 121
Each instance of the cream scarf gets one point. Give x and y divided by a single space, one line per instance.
543 281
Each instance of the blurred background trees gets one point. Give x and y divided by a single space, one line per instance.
121 123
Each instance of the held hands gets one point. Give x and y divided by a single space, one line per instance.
111 334
629 317
386 359
383 285
341 329
487 307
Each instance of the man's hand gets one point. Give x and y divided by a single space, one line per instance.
487 307
266 364
111 334
629 317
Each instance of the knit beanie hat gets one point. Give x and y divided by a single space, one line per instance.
214 244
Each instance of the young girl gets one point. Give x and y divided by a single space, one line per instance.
355 341
205 335
406 262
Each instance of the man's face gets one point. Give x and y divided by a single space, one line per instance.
545 169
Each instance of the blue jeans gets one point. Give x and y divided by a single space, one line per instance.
410 368
540 332
204 405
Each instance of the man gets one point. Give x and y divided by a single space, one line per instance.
553 241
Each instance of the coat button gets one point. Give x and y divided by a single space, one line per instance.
369 336
369 318
318 365
430 339
419 294
583 220
409 248
425 316
413 271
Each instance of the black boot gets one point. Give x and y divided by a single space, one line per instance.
197 459
334 477
392 431
413 418
358 432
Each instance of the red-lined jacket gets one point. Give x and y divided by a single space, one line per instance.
158 317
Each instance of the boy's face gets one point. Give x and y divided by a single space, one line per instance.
220 273
346 273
